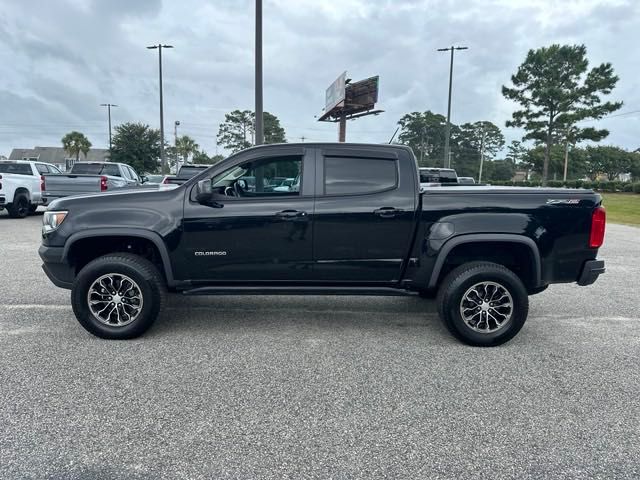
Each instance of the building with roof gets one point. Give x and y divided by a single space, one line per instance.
58 156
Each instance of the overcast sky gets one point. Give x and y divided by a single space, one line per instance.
61 59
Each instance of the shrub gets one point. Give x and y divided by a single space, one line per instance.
555 183
628 187
587 184
636 187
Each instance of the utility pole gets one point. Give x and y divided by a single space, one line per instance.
566 153
175 141
447 158
342 129
163 160
482 139
109 105
259 140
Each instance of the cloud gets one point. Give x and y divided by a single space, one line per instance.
63 59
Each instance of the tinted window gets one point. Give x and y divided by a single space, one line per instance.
269 177
343 175
54 170
133 174
438 176
96 169
16 168
126 173
42 169
188 171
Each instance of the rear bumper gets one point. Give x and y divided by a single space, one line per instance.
59 272
591 270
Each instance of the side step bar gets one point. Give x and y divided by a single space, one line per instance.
306 290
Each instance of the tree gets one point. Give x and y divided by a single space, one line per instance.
477 142
273 131
185 146
237 132
635 166
516 152
556 92
425 133
577 162
76 142
501 170
201 157
138 145
611 161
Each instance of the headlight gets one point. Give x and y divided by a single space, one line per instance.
52 220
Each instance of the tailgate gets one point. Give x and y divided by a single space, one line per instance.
65 185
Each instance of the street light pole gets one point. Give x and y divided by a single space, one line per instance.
175 141
447 158
163 160
259 106
109 105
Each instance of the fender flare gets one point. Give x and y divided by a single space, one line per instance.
487 237
125 232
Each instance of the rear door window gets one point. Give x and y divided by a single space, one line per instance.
357 175
16 168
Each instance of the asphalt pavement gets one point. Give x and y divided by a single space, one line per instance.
319 387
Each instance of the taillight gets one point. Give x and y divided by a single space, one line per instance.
103 184
598 221
42 184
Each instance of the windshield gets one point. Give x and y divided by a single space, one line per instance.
110 169
16 168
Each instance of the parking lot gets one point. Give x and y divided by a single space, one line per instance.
324 387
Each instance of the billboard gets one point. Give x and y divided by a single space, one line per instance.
335 93
362 95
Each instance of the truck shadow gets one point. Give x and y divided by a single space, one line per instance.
313 314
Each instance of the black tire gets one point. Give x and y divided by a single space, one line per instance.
149 282
32 208
461 281
20 206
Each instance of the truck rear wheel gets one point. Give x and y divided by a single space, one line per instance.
118 296
20 206
483 304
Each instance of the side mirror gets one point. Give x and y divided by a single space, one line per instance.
204 194
203 191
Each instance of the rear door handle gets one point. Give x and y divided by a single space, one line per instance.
291 214
387 212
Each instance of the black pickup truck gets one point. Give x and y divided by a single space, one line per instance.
355 222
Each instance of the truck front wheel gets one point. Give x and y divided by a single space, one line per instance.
483 303
118 296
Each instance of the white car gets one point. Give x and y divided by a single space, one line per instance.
21 185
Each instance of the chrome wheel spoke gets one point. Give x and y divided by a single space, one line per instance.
486 307
115 299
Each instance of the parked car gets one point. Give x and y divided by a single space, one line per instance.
21 184
358 225
430 177
185 173
466 181
90 177
153 179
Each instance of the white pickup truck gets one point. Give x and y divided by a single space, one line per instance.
21 185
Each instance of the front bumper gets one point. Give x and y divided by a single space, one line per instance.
59 272
591 270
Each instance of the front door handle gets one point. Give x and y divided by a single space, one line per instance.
291 214
387 212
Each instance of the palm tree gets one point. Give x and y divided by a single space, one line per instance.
185 146
74 143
